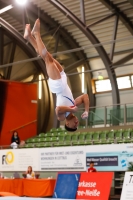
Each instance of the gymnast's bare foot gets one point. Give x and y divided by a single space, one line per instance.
36 28
27 32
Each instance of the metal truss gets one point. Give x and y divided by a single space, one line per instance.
126 21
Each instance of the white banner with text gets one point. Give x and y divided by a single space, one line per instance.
19 159
127 190
63 159
115 157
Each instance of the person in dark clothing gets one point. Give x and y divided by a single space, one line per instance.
15 138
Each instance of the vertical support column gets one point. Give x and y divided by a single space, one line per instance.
56 122
105 116
125 114
114 37
11 60
1 45
86 123
82 10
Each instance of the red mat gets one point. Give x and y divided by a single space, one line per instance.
7 194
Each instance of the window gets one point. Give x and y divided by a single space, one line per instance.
103 85
124 82
132 80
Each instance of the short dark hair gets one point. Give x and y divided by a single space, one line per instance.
91 162
70 129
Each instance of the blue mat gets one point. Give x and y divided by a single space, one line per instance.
66 186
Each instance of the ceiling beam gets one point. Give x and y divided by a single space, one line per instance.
11 60
126 21
123 60
75 65
131 1
82 10
114 37
101 20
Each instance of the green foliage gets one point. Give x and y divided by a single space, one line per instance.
130 166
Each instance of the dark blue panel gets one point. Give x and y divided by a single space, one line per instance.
102 160
66 186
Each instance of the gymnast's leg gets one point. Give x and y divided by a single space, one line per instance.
52 66
28 36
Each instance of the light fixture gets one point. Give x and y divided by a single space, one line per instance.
40 87
100 76
6 9
83 80
21 2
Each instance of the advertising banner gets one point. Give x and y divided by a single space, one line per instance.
19 159
127 190
115 157
95 186
63 159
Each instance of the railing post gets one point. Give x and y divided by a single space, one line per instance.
105 116
125 114
86 123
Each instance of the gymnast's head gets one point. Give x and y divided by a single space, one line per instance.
71 123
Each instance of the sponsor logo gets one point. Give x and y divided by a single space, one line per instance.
8 158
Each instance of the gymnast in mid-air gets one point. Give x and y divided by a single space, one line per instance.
66 106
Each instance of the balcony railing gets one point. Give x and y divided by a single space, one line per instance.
106 116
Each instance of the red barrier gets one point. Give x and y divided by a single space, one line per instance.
94 186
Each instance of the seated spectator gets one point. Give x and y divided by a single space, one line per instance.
30 173
15 140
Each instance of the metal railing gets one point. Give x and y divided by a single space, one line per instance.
23 126
106 116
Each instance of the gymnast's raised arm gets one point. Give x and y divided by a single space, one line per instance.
83 99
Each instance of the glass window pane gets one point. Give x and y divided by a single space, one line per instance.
103 85
124 82
132 80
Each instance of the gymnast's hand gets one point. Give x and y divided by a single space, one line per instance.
84 115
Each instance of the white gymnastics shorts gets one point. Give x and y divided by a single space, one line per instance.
57 86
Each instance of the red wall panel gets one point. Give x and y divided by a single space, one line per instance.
20 109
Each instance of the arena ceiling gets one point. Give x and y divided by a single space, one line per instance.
99 32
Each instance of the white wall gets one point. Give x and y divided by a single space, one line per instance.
105 99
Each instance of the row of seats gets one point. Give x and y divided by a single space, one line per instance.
77 138
53 130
